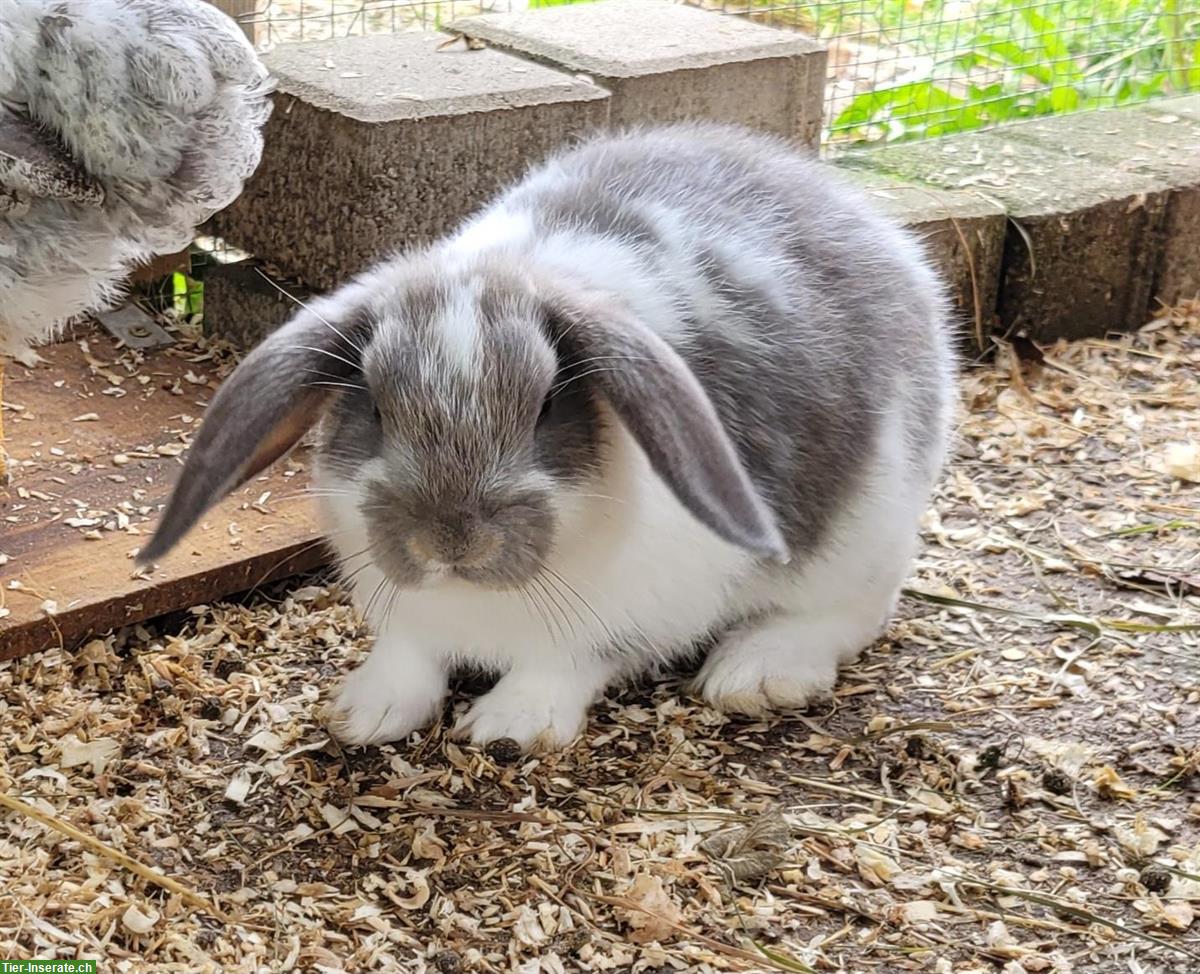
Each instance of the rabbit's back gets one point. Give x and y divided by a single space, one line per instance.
810 319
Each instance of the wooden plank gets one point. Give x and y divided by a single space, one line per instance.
244 12
159 267
117 471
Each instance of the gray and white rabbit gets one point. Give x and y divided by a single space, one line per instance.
673 385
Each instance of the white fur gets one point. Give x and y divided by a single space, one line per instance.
838 604
491 229
643 571
636 571
458 331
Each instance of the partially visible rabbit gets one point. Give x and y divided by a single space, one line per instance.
674 384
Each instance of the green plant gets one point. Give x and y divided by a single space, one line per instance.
1015 59
187 295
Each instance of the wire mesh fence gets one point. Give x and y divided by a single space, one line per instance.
286 21
907 69
898 69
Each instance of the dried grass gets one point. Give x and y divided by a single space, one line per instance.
1010 781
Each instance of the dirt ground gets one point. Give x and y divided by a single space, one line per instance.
1009 782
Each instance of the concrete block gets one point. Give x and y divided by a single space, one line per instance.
1161 139
242 307
1178 275
963 235
1179 104
382 142
666 62
1084 238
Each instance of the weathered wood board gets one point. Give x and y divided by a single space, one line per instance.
96 444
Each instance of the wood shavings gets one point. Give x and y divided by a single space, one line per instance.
138 922
238 788
1182 460
1008 790
1140 838
1109 784
96 753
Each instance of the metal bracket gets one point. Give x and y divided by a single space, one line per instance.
131 325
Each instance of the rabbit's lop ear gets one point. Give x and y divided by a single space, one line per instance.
261 411
667 411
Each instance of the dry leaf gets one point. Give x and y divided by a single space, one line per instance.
931 801
874 866
749 853
657 913
1178 914
1070 757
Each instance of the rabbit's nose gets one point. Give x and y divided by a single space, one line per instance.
452 536
460 539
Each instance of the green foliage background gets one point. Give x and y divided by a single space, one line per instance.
982 62
991 61
1012 59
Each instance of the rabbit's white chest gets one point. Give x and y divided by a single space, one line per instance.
632 570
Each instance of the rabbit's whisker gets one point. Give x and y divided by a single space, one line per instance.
308 307
325 351
535 608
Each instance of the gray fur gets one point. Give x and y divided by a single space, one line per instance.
805 313
772 319
124 125
262 411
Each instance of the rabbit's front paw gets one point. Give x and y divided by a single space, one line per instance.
385 701
782 663
539 707
527 712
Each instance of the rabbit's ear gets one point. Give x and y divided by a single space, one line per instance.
261 411
663 405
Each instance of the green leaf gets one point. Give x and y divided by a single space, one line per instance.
1064 100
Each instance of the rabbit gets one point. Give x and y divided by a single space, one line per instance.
675 385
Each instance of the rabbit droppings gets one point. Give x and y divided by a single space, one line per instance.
675 384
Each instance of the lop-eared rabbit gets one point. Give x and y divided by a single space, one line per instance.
674 386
